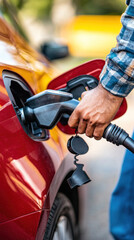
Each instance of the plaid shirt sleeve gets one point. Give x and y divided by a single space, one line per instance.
117 75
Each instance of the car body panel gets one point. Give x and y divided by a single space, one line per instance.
27 167
23 228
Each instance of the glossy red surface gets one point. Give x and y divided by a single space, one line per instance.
26 171
16 229
26 167
92 68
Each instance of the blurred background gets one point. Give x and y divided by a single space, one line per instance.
88 30
88 27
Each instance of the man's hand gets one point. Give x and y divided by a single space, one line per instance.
94 112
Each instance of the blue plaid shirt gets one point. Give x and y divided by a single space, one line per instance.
117 75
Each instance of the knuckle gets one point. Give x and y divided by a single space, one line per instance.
102 121
98 119
83 94
85 117
78 111
92 122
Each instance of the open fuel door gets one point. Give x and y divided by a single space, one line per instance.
78 80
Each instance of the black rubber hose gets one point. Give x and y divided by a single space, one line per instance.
118 136
129 144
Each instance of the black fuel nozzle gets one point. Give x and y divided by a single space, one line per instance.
47 108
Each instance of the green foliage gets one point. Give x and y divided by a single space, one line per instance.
100 7
42 8
37 8
18 3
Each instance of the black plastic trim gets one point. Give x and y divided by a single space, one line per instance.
19 91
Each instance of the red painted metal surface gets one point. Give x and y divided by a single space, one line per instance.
26 167
26 171
23 228
92 68
20 157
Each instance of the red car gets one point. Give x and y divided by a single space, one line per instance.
36 201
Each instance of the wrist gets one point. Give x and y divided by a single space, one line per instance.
109 95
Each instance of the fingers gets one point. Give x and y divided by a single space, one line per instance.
98 131
82 126
95 131
86 126
90 129
74 119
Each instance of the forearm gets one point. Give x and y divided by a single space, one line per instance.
118 73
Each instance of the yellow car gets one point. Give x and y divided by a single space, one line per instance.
91 36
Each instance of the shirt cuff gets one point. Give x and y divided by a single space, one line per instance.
115 81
